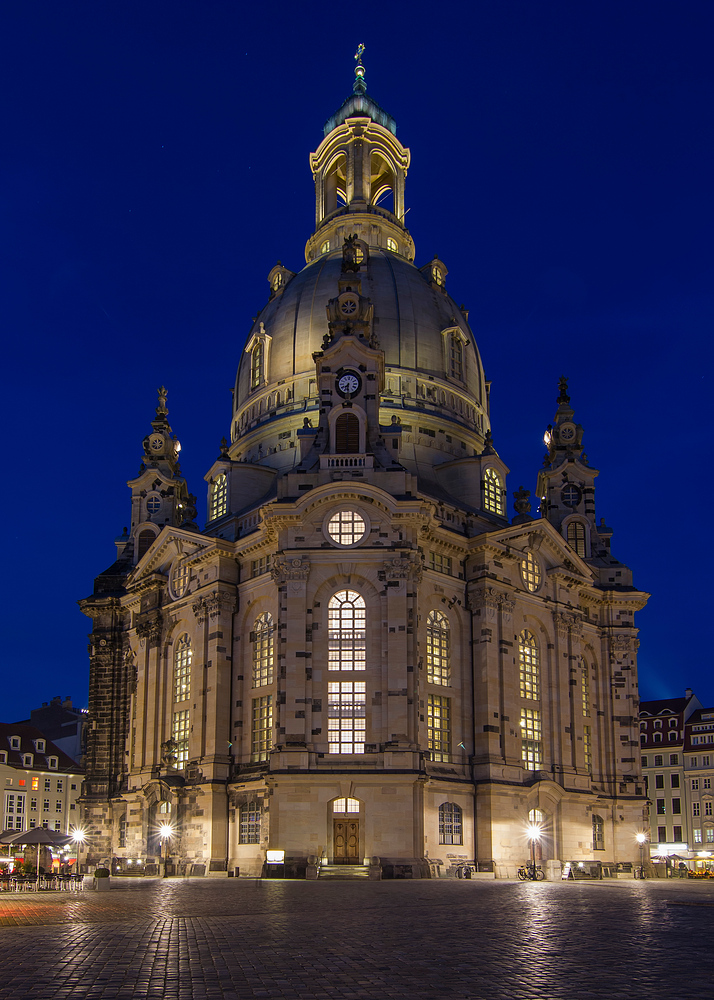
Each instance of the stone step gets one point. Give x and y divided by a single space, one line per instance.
343 871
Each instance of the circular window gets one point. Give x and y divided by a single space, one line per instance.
153 505
346 527
530 570
570 495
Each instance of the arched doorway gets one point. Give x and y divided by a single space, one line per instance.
346 832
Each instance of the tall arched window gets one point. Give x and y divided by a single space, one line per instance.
263 650
144 542
450 823
249 832
183 654
438 659
347 642
576 537
529 665
598 834
456 356
346 699
219 497
493 492
347 434
256 365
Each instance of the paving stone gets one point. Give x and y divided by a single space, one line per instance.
239 940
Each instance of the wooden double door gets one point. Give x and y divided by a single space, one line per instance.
346 842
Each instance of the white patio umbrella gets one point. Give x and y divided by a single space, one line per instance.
38 836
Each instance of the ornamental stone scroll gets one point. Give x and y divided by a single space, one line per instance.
285 568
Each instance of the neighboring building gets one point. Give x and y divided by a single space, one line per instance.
360 656
41 784
676 736
63 724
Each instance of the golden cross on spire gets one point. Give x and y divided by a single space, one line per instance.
358 53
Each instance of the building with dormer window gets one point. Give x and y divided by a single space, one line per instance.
360 660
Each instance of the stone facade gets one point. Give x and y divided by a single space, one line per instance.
359 656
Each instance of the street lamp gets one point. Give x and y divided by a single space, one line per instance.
534 834
78 837
642 840
165 832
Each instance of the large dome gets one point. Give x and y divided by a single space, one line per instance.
415 322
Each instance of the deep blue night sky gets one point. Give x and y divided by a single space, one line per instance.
154 166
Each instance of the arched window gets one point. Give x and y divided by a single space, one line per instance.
144 542
347 434
183 655
585 689
529 665
249 832
347 640
450 823
219 497
263 651
493 492
673 737
456 356
598 834
438 727
576 537
536 817
256 365
438 661
657 737
345 806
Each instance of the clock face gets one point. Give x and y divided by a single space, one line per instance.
349 383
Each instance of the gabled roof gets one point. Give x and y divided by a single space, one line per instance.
28 736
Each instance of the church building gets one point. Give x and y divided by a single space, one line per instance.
360 659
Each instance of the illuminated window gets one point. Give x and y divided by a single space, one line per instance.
710 835
277 281
263 650
437 275
438 665
262 730
530 568
536 817
179 579
392 244
529 666
345 806
249 832
179 734
183 655
531 745
456 356
450 823
347 639
440 563
347 716
588 747
35 784
346 527
325 247
219 497
697 836
576 537
493 492
598 834
438 723
585 690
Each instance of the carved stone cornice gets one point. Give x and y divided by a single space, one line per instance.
284 568
490 599
622 643
410 568
149 631
568 622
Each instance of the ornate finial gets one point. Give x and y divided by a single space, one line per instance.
563 386
522 501
161 410
359 86
224 449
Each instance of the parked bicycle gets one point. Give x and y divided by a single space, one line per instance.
639 871
533 872
465 870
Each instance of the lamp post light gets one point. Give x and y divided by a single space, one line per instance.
642 840
534 834
165 832
78 838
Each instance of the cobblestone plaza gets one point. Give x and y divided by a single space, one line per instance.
363 940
